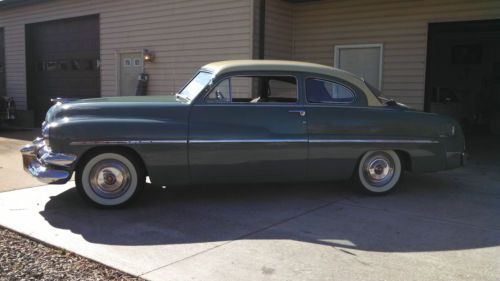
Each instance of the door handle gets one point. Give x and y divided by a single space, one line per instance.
300 112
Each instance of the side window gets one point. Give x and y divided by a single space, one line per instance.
284 89
323 91
243 89
255 89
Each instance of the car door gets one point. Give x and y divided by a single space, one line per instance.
235 135
337 116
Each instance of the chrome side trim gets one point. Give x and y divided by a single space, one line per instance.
313 141
255 141
371 141
251 141
126 142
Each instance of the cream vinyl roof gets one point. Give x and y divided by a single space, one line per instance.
222 67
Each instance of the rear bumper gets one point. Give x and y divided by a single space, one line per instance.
456 159
464 158
47 167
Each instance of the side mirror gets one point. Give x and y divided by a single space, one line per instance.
219 95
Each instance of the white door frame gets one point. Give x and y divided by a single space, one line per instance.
337 49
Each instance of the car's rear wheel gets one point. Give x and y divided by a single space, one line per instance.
110 179
379 171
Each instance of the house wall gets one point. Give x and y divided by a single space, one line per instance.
278 30
400 25
184 34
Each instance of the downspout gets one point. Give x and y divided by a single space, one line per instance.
262 28
262 36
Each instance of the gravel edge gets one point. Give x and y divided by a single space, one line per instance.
22 258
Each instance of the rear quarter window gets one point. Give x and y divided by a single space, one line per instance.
324 91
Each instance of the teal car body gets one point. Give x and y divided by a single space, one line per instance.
182 140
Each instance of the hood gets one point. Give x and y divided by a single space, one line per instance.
112 107
128 99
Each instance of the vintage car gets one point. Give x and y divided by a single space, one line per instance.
242 121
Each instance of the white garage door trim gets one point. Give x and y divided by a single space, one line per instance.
337 49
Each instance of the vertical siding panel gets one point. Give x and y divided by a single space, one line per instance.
400 25
184 34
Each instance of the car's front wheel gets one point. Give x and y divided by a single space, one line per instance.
110 179
379 171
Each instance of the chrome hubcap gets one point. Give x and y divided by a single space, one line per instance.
378 169
110 179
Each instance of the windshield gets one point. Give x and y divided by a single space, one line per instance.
194 87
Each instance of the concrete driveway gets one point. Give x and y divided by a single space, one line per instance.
12 175
442 226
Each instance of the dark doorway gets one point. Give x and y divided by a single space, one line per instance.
62 61
463 74
3 91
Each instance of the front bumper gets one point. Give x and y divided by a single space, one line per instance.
46 166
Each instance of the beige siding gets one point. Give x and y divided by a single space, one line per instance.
184 34
278 31
400 25
256 29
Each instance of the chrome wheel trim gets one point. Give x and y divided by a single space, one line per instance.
379 171
110 178
88 188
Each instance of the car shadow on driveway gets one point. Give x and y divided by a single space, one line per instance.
443 211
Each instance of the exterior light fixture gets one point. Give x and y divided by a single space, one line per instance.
148 56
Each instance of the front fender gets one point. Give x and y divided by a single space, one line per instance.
161 143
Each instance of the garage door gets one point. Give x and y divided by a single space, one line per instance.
62 61
2 64
463 74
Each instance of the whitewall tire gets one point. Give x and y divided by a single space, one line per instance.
379 171
110 179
